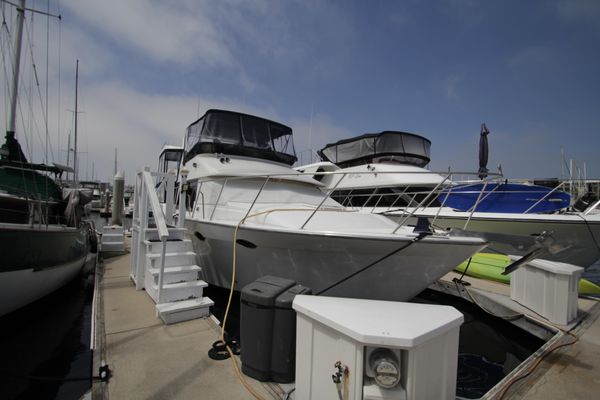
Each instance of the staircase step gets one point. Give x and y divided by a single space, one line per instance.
112 239
112 229
112 246
172 259
174 233
155 246
177 269
178 311
176 274
178 291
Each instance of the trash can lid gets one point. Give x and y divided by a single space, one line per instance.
285 299
264 290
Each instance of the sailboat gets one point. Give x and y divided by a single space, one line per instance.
43 241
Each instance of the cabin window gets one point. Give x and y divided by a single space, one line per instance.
193 134
282 139
384 197
222 128
256 133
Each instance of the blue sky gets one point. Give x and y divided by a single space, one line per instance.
336 69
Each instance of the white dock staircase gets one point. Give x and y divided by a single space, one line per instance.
112 239
163 259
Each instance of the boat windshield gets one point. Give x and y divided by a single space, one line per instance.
387 146
228 132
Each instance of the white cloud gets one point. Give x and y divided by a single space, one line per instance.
139 124
170 32
315 134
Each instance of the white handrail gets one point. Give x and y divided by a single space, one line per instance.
159 217
150 197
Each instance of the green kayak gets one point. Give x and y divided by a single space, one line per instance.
491 266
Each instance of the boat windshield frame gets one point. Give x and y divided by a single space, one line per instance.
384 147
233 133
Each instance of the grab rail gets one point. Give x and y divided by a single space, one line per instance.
543 198
146 200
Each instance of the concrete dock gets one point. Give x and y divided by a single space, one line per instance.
150 360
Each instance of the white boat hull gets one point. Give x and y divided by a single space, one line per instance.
21 287
318 260
580 233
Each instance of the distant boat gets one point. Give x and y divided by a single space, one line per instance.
505 198
43 242
386 173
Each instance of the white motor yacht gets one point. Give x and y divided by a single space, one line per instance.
241 188
386 173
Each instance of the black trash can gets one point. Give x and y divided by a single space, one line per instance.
257 316
283 353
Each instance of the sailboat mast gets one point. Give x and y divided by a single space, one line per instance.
69 151
76 114
16 66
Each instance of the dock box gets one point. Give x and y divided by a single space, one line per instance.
257 318
549 288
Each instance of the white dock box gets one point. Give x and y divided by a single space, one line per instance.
390 350
549 288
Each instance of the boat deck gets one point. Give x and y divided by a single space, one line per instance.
150 360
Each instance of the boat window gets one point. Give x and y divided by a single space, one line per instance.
193 134
282 139
401 147
222 128
169 159
256 133
383 197
415 145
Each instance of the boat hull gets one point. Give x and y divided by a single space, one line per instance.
580 233
319 260
36 262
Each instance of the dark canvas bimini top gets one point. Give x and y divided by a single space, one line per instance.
401 147
228 132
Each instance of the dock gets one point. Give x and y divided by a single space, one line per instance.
566 367
150 360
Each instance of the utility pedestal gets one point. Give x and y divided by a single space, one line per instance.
375 350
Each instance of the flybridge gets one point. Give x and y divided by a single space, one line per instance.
388 146
228 132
